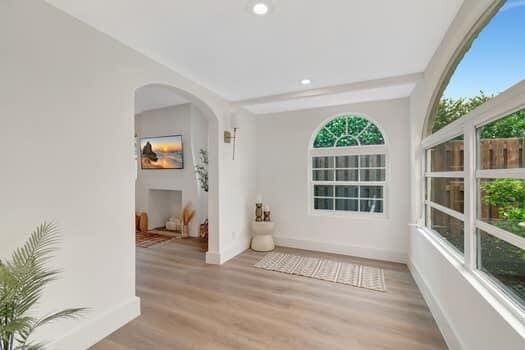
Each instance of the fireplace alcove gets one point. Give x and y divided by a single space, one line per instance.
163 204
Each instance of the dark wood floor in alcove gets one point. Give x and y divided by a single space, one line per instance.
187 304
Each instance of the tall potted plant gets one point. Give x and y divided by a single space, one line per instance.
22 282
202 170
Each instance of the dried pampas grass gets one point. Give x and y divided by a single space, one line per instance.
188 213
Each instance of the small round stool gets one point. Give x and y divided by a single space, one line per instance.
262 232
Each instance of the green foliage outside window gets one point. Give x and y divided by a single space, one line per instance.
508 195
450 110
347 131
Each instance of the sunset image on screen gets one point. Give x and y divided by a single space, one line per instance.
162 152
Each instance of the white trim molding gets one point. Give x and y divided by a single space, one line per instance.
98 327
336 89
219 258
343 249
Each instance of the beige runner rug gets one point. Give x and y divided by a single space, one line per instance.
327 270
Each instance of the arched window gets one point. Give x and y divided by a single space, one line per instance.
348 167
492 62
475 156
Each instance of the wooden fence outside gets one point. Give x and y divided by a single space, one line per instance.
494 154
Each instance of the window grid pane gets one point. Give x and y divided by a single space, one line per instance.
503 262
329 171
447 156
448 227
501 203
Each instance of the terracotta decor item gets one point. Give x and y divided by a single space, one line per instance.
141 222
188 213
203 234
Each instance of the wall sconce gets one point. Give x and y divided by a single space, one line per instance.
228 137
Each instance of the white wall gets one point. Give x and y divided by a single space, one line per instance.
67 107
282 179
466 315
185 120
240 188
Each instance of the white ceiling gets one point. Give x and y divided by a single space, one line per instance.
155 97
224 47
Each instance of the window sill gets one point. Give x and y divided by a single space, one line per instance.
348 214
513 314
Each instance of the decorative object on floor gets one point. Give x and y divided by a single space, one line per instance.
202 170
203 234
174 224
267 213
203 230
164 152
148 239
188 213
22 282
326 270
141 222
262 232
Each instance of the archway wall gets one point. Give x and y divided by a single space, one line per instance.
67 106
466 316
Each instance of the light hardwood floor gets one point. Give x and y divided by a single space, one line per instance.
187 304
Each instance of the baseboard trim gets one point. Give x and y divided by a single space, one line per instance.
235 249
361 252
98 327
213 258
218 258
451 338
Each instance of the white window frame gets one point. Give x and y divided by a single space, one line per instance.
429 204
357 150
506 103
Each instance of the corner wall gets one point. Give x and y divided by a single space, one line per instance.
282 179
67 108
468 317
239 182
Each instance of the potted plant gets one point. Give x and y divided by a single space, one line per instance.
202 170
22 282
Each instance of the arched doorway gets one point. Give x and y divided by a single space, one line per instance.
178 178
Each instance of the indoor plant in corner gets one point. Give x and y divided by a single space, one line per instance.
202 170
22 281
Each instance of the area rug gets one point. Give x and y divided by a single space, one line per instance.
148 239
327 270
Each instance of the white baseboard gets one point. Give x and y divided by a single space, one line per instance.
236 249
441 318
99 327
219 258
213 258
362 252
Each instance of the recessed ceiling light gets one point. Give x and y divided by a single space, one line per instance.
306 81
260 8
